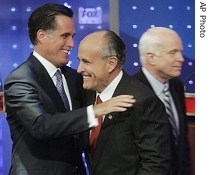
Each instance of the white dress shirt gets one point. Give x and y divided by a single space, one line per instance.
51 69
109 90
158 88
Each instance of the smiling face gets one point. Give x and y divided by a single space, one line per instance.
97 71
55 45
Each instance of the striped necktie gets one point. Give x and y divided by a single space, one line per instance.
167 102
60 88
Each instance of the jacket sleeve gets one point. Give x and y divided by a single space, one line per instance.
152 138
31 107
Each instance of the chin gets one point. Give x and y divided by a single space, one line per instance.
85 87
175 75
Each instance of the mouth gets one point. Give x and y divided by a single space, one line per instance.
179 67
67 52
86 76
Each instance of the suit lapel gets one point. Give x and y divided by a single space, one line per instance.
121 89
110 120
45 82
178 106
141 76
71 82
104 135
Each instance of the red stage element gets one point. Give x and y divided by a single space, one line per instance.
2 102
190 103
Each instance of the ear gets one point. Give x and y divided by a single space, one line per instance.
41 35
151 58
112 63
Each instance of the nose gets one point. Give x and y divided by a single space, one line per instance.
70 42
79 69
180 57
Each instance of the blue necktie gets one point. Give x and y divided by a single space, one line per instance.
167 102
60 88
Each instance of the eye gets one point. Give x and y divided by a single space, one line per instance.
65 35
85 61
173 52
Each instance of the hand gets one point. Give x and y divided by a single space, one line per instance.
116 104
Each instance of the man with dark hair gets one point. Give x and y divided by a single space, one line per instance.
45 100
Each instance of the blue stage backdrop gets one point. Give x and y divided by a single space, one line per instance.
138 15
90 15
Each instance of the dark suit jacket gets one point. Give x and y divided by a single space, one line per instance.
135 141
180 156
45 137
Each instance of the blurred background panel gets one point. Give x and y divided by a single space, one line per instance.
127 18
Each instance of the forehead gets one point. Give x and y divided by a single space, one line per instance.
88 51
64 23
171 43
93 39
92 43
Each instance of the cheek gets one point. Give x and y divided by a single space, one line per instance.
97 71
165 63
87 84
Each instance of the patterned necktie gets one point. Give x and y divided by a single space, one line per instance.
167 102
60 88
95 131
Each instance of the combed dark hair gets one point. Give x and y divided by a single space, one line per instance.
114 47
44 18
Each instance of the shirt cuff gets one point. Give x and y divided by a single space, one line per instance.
92 120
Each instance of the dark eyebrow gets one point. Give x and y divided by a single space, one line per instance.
68 34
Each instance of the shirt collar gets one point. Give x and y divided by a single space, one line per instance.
109 90
51 69
156 84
